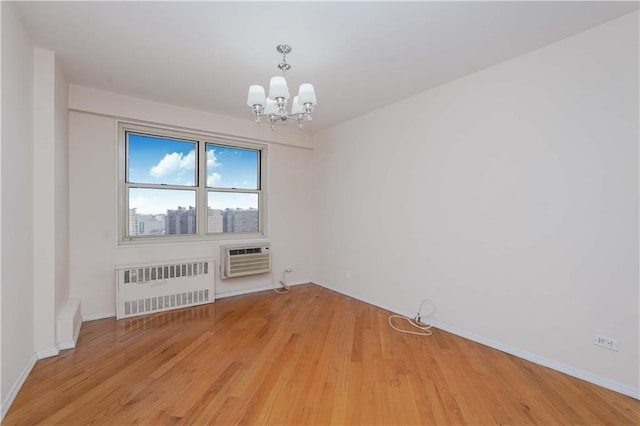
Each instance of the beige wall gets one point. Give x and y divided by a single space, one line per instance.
93 185
508 197
35 256
50 199
17 201
61 189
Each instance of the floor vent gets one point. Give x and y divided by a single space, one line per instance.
150 288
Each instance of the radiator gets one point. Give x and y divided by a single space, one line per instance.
242 260
157 287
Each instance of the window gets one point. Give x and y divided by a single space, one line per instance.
177 185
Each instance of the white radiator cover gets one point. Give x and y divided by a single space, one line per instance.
155 287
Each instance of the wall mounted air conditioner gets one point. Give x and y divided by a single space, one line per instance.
246 259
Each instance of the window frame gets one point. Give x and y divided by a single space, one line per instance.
202 140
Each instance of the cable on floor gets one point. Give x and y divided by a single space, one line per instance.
285 287
416 321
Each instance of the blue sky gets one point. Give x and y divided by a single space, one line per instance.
232 167
173 162
155 160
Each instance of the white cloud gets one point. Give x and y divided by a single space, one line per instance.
213 179
189 161
146 205
212 161
174 163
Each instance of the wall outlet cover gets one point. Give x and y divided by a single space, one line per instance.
605 342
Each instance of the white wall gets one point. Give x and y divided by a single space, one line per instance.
44 200
35 255
508 197
17 203
61 189
93 184
50 200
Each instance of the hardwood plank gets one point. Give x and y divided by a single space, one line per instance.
311 356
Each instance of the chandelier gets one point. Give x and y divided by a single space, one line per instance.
274 107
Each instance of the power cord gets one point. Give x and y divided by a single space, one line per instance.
416 321
285 287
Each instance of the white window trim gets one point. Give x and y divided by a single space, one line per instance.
203 139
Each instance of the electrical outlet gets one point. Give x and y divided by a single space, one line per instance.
605 342
289 269
347 275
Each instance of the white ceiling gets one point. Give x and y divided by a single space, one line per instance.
360 56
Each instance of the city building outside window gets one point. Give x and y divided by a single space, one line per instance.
179 185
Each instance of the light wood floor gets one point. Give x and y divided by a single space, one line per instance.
311 356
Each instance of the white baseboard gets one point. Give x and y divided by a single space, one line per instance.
13 392
72 343
241 292
370 302
254 290
99 316
546 362
48 353
537 359
67 345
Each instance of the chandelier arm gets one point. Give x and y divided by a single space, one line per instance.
288 115
272 117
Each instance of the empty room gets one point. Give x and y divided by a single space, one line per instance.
296 213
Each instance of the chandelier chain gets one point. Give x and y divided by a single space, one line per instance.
284 65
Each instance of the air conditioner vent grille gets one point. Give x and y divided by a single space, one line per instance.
238 261
234 252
